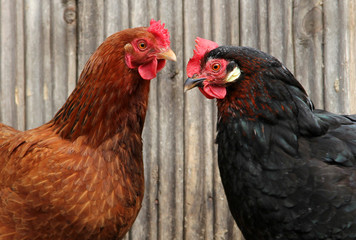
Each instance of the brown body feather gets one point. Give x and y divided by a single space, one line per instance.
80 176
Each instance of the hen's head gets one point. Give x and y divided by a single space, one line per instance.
148 49
213 69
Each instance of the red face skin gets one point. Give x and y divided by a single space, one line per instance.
148 52
214 70
143 56
215 74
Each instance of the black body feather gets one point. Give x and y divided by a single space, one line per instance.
288 170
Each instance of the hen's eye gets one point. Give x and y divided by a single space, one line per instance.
142 45
216 67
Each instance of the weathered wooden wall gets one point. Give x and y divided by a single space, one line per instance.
44 45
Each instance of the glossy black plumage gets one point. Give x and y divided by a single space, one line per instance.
288 170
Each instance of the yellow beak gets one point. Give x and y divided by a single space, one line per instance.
168 55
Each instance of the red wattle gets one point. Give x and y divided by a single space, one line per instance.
161 64
148 71
213 91
205 94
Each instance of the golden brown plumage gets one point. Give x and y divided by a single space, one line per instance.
80 176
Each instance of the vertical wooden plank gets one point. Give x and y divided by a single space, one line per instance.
116 16
141 12
249 22
308 42
46 68
71 20
332 50
335 58
169 94
280 31
263 29
63 52
20 66
90 29
233 22
347 57
7 60
178 79
192 130
351 51
34 64
254 24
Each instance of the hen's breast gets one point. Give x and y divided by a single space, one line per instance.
81 192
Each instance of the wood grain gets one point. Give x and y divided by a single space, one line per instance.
336 56
43 47
8 58
308 44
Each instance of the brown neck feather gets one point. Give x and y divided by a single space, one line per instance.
109 99
241 99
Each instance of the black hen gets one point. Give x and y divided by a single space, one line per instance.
288 170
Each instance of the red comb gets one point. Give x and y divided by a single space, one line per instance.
159 32
202 46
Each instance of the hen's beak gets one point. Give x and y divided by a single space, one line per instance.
167 55
192 83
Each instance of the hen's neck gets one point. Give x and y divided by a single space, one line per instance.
110 99
243 100
255 98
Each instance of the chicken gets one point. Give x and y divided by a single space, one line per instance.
288 170
80 176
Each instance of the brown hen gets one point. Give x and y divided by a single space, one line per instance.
80 176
